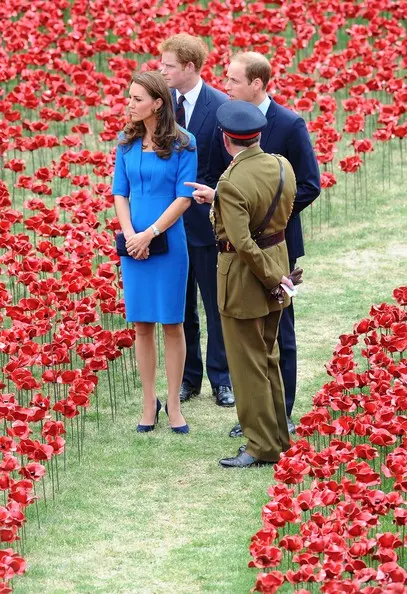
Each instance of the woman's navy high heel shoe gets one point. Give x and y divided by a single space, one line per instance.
147 428
181 429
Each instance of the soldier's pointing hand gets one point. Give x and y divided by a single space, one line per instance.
201 193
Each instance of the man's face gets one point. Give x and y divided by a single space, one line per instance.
173 71
237 86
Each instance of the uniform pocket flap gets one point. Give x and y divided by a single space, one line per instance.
224 262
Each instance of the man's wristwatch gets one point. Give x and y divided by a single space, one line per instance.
155 230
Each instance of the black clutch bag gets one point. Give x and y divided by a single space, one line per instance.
158 245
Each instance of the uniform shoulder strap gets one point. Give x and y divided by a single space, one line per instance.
263 225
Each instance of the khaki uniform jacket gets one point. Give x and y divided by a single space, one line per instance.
245 192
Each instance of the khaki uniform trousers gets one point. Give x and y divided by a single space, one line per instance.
253 357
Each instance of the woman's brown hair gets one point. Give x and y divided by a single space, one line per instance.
167 136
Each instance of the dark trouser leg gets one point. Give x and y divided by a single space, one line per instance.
193 363
253 362
205 262
288 353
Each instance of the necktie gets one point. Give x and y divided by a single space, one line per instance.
180 111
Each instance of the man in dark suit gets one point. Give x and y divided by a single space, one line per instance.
286 134
195 103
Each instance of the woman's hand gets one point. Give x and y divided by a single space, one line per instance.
202 193
137 244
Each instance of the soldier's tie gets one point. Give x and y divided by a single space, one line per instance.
180 111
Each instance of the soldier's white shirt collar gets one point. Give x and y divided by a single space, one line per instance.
239 153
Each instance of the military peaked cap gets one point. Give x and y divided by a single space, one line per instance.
240 119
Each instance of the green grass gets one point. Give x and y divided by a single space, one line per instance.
155 514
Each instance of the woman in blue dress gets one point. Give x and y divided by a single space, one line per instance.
153 160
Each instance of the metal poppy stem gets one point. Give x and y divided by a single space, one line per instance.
43 491
50 465
83 426
110 393
36 506
78 437
97 407
125 381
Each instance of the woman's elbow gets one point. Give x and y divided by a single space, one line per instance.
120 199
185 203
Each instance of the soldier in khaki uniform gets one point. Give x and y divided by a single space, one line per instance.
248 270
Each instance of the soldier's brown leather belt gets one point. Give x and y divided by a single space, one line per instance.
262 242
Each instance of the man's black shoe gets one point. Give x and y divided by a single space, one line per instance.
242 448
224 396
243 460
290 425
236 431
187 392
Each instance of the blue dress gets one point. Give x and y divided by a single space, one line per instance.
155 289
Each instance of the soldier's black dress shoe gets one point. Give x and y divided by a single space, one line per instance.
243 460
236 431
224 396
187 392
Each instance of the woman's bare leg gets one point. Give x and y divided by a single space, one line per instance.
175 353
146 355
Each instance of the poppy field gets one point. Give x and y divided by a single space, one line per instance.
65 67
341 481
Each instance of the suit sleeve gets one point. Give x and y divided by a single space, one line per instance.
218 161
121 185
187 170
236 219
301 155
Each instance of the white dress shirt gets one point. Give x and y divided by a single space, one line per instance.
190 100
264 105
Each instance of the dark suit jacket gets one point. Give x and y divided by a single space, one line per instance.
287 135
202 125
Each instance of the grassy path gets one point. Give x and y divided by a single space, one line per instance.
154 514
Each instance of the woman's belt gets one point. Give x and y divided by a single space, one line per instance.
262 242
